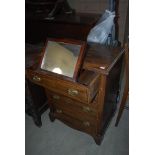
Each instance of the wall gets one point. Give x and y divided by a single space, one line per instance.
98 6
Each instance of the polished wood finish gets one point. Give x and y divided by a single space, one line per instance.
72 105
126 87
102 59
92 99
125 70
74 90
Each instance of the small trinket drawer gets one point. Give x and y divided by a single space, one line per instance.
83 91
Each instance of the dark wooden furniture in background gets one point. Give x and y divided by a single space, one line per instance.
35 97
125 70
126 87
47 8
88 104
36 103
74 26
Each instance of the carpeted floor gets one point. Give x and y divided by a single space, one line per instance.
58 139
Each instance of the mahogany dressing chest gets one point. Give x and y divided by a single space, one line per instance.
89 103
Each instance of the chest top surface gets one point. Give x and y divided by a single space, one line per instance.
101 59
98 58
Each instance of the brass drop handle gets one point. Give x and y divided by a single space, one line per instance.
86 123
56 97
59 111
86 109
72 92
36 78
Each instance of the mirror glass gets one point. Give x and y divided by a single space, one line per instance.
61 58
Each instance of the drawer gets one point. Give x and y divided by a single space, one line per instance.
72 105
84 90
84 125
77 114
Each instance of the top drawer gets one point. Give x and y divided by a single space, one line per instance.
84 90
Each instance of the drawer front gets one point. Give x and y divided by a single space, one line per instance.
64 87
72 105
67 88
85 126
79 115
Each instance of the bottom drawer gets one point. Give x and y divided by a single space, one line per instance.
84 126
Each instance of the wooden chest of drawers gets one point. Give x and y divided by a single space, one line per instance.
88 104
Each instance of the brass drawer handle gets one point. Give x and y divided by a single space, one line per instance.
36 78
72 92
86 109
59 111
86 123
56 97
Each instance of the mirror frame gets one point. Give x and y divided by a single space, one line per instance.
79 60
